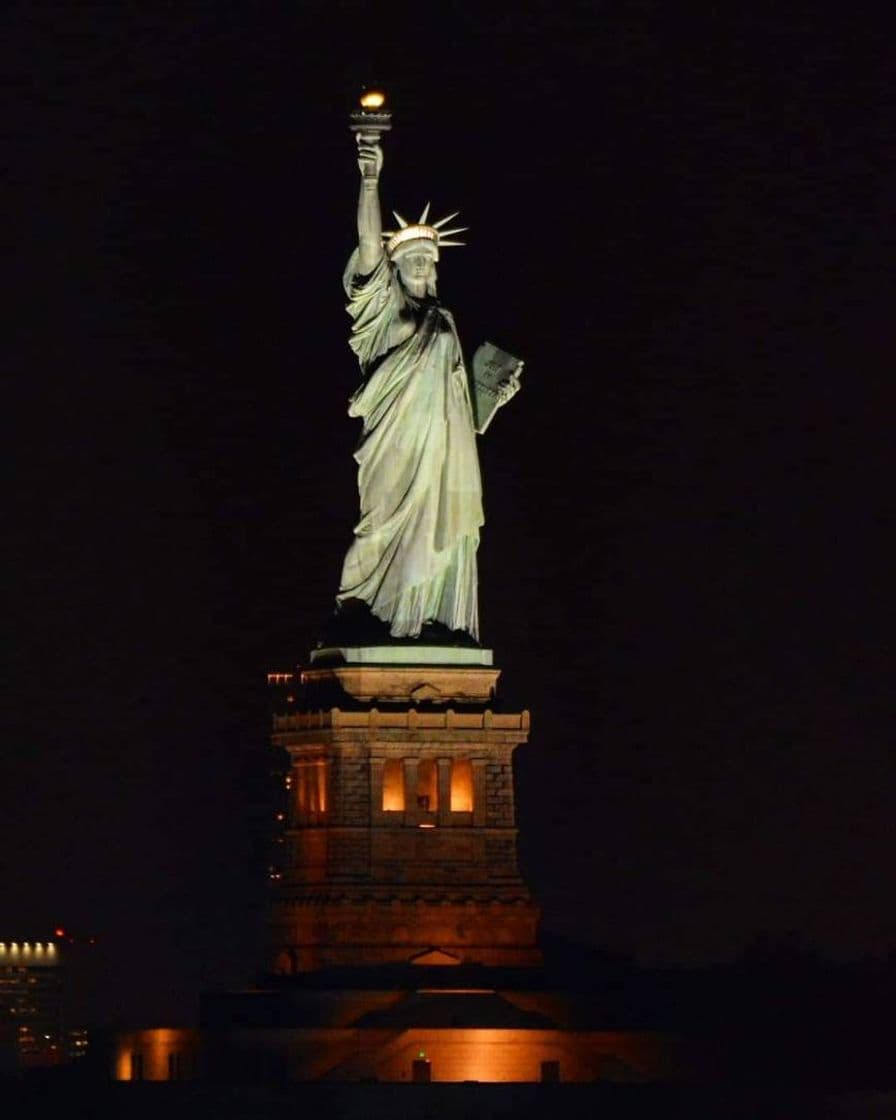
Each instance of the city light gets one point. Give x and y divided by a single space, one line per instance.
26 948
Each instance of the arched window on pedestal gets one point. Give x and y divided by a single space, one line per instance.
461 785
393 786
427 785
311 790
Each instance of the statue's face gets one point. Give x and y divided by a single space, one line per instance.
417 269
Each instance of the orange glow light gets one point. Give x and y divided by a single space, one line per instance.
393 786
373 99
461 786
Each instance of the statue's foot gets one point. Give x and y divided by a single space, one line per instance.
354 624
438 634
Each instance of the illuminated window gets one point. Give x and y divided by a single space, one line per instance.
393 785
461 786
311 789
427 785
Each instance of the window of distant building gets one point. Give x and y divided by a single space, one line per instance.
393 785
461 785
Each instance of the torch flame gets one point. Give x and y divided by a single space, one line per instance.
373 99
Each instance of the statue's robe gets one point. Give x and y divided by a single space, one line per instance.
413 558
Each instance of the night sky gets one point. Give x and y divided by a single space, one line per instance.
684 225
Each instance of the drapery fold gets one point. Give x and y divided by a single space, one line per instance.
413 558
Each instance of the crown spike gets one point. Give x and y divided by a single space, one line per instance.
422 230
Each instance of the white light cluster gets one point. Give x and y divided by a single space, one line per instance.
26 948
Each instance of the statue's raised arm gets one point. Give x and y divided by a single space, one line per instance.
370 222
411 567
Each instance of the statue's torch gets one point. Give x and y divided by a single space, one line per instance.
371 119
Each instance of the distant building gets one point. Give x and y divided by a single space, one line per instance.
33 1030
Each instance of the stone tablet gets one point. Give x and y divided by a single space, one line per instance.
492 369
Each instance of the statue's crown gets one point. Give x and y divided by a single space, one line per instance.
421 231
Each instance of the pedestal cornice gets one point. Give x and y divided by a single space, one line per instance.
405 720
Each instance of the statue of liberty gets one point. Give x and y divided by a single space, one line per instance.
413 558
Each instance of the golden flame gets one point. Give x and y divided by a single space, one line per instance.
373 99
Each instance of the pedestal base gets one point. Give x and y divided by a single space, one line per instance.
427 932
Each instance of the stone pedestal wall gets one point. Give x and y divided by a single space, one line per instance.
365 880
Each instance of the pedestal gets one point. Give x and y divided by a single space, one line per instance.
400 837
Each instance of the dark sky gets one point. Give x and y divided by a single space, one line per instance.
684 225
